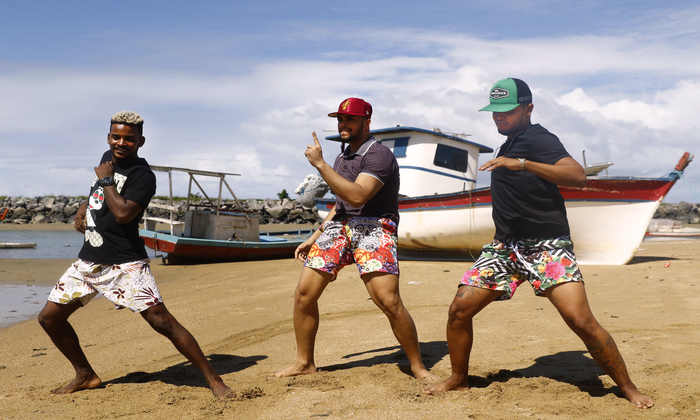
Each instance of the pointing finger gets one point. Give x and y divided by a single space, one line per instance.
313 133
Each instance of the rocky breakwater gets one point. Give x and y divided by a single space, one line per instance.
22 210
682 212
267 210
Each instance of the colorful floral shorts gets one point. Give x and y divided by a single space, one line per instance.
129 285
503 266
370 242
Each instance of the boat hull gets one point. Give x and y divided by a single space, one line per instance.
678 236
607 218
11 245
183 250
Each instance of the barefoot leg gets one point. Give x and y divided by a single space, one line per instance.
571 302
54 320
165 323
468 302
311 285
383 288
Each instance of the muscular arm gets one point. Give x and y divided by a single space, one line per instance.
565 172
355 193
123 210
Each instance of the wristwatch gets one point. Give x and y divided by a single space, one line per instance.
522 163
108 180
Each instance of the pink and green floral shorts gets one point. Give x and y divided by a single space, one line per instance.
128 285
505 265
370 242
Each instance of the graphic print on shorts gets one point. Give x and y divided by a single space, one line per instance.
505 266
369 242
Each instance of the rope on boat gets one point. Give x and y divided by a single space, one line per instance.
694 190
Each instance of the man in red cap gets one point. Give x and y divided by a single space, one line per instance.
361 229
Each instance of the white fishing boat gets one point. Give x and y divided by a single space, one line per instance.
670 230
441 210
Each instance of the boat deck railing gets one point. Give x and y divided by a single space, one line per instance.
177 227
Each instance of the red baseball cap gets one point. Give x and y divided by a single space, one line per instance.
353 106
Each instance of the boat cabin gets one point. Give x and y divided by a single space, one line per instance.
431 162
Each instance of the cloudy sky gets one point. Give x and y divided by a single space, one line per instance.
239 86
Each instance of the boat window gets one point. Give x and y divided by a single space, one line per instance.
397 145
451 158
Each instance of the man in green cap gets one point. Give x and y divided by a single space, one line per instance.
532 241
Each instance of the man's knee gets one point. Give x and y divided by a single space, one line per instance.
45 320
584 325
160 319
54 314
303 296
459 313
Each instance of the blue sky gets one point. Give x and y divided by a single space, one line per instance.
238 87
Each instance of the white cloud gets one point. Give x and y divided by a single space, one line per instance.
258 123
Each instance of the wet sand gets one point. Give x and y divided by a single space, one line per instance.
525 362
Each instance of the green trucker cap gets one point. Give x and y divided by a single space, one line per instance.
507 94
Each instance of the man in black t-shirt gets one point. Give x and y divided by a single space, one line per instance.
360 229
532 241
113 260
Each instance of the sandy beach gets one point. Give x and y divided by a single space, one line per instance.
525 363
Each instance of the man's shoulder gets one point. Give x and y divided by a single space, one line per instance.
141 167
376 148
536 130
538 137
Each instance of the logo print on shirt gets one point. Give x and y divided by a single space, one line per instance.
96 199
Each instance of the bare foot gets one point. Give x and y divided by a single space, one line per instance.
220 389
449 384
84 381
293 370
424 374
637 398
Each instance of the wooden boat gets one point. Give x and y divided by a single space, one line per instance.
607 218
670 230
10 245
212 232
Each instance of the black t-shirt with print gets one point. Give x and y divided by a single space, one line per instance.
525 205
106 241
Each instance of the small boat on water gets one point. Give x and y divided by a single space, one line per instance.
442 211
212 232
670 230
12 245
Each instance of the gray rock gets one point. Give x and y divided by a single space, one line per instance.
70 210
277 211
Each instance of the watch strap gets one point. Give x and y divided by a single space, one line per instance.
106 181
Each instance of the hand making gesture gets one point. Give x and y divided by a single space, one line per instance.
314 153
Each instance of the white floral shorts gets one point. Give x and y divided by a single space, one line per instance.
130 285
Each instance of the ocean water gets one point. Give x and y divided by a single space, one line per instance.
19 302
49 243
